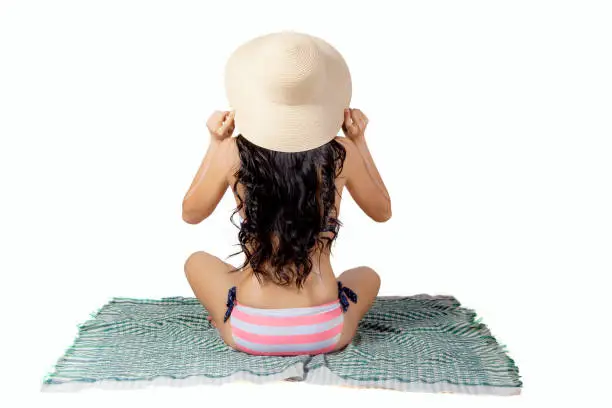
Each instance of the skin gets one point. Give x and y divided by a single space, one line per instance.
208 275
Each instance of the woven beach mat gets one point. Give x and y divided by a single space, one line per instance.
418 343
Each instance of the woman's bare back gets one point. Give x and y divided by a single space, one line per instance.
321 285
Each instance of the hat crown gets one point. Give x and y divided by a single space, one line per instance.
292 68
288 90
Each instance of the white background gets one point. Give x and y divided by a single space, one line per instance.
490 123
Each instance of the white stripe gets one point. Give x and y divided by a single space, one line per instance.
271 348
285 330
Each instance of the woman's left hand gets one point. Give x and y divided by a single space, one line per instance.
221 125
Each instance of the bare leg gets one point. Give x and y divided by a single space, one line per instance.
365 282
210 280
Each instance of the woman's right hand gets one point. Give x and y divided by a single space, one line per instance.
355 123
221 125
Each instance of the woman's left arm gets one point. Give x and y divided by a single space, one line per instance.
210 182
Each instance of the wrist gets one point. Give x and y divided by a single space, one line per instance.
214 139
359 139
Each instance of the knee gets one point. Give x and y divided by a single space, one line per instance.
342 343
373 277
194 262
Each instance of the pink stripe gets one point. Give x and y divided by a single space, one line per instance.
286 353
290 339
286 320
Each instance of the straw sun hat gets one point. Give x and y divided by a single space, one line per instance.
288 90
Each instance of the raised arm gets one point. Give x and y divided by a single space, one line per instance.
364 182
210 182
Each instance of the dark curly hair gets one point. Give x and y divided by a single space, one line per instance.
288 201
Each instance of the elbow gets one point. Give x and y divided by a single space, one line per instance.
191 216
190 219
383 217
385 214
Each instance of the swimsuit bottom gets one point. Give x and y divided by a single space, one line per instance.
289 331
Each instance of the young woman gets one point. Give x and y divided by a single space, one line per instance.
287 170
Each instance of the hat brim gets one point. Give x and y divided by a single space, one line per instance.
289 128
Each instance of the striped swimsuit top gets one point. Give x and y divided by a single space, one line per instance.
291 331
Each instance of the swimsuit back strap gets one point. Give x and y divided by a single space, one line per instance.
231 301
344 294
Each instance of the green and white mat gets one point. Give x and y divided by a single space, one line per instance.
417 343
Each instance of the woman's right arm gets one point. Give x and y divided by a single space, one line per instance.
364 182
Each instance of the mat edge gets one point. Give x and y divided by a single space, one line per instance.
323 376
295 372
